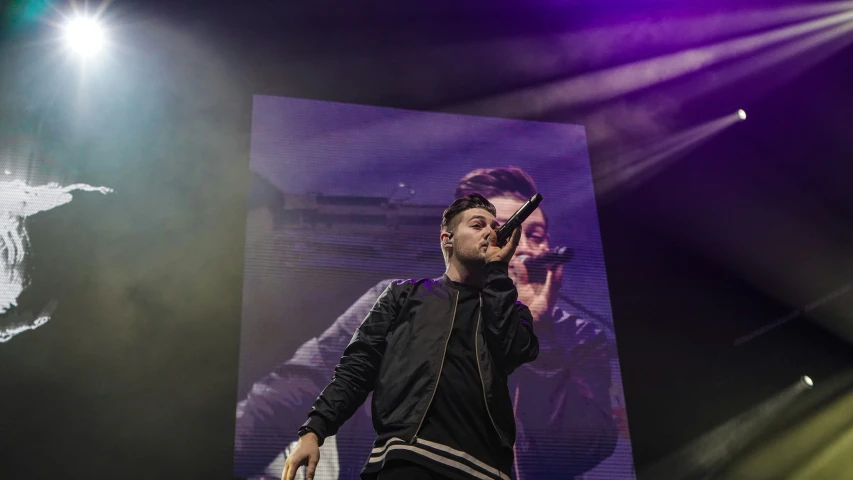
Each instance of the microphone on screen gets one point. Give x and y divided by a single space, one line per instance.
517 218
538 267
555 256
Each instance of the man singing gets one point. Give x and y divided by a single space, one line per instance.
437 354
560 401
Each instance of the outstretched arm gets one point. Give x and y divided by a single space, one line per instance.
51 195
85 188
273 411
355 375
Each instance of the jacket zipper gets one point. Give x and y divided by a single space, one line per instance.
477 355
440 367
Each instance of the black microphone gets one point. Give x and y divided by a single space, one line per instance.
537 267
555 256
519 216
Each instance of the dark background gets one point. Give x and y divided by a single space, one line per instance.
135 375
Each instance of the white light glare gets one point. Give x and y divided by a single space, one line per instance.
807 380
85 36
741 114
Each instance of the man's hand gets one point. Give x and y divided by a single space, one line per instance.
540 298
496 253
307 452
83 187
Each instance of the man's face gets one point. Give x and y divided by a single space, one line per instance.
470 237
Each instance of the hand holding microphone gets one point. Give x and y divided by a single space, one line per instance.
502 253
518 218
537 278
501 250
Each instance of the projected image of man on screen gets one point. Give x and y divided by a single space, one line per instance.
18 201
563 419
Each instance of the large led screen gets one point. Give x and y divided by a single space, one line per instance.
344 199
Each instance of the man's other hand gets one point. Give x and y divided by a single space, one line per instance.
307 452
540 298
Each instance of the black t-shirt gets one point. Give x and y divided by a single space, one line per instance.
457 416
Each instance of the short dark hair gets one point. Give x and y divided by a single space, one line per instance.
497 182
450 220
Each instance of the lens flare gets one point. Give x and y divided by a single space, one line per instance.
85 36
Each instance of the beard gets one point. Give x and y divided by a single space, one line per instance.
471 257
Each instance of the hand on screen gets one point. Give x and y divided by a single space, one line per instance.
306 453
83 187
495 253
540 298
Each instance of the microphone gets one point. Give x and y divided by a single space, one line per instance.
517 218
537 267
555 256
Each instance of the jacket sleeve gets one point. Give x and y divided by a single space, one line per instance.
555 411
268 418
508 322
587 413
570 406
355 375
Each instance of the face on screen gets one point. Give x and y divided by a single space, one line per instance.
534 240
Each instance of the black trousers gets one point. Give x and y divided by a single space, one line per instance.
401 470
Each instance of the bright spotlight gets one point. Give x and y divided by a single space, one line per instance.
85 36
807 380
741 114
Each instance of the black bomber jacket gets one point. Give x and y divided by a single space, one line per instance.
399 349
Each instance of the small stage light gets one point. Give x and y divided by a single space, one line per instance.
807 380
85 36
741 114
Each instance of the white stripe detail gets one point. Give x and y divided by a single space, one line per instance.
432 456
437 446
383 447
464 455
